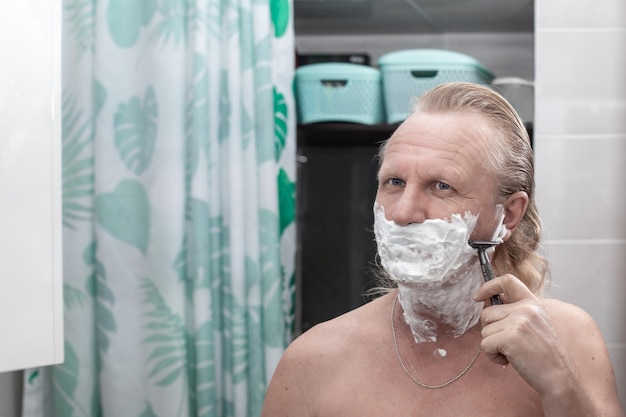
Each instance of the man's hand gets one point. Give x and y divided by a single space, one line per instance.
520 332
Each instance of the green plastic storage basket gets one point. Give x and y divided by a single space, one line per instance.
339 92
410 73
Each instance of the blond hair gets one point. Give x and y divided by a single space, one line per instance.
511 160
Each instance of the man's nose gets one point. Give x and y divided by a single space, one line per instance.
410 207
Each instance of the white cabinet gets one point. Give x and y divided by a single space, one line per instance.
31 304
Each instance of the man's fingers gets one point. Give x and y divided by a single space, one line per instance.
510 289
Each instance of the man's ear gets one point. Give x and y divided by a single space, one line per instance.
514 209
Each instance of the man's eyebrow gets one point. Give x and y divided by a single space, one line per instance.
388 171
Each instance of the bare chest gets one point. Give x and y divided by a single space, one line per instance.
382 389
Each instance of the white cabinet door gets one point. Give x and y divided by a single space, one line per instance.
31 304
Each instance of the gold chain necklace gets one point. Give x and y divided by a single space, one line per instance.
406 371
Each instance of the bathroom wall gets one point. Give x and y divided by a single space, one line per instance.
580 142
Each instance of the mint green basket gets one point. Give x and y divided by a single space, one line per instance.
339 92
409 73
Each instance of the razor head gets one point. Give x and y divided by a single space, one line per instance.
482 244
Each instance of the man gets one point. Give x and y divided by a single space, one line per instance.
458 169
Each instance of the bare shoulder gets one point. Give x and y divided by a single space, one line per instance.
571 319
345 332
575 326
562 310
327 349
587 349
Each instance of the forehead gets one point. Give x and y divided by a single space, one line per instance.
454 138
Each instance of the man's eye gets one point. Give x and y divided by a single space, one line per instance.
396 182
442 186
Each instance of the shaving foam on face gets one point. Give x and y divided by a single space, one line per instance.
436 270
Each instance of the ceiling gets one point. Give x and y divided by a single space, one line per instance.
353 17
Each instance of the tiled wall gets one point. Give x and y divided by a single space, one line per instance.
580 142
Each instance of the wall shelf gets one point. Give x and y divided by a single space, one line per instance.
343 134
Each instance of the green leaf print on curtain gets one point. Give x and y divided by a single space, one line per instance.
77 169
148 412
178 208
125 19
80 15
281 121
135 131
287 198
103 296
65 381
280 16
125 213
166 337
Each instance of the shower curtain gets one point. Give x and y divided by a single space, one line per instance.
178 208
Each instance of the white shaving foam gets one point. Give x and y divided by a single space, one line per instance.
436 270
